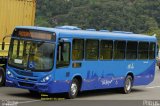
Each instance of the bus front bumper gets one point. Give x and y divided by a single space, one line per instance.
50 87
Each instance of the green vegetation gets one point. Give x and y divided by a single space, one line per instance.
138 16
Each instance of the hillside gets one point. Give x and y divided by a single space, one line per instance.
139 16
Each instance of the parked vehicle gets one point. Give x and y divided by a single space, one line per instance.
12 13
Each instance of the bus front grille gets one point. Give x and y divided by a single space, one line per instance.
25 84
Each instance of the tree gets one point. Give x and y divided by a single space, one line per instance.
139 16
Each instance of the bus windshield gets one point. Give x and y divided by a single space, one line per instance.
33 55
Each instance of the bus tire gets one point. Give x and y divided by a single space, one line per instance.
74 89
128 84
2 77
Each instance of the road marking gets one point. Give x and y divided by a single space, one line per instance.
29 101
153 87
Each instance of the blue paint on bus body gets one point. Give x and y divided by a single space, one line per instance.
100 74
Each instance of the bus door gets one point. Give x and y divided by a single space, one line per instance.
63 60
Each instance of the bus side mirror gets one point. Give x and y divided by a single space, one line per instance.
3 45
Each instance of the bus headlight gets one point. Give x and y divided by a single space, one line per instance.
9 74
46 78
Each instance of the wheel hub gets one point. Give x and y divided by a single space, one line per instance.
128 84
73 89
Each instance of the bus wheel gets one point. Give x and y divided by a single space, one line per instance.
128 85
2 77
74 89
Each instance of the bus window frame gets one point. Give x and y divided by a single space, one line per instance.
100 49
59 67
83 49
124 49
32 40
138 49
86 50
154 51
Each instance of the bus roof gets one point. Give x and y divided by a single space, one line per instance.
92 34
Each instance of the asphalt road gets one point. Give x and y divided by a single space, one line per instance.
138 96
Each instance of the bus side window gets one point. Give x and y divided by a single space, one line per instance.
106 49
92 49
152 50
143 50
78 49
119 49
63 55
131 51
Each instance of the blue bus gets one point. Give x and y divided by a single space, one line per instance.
68 59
